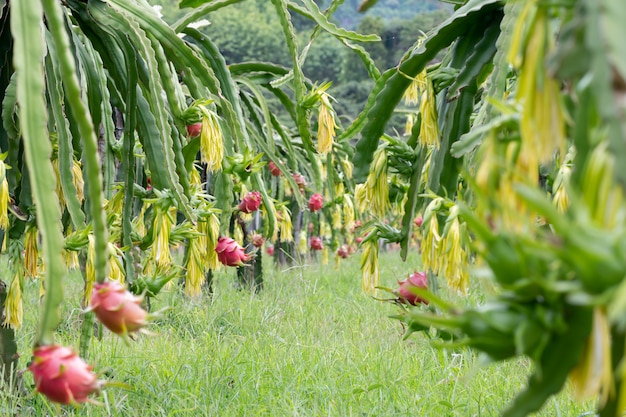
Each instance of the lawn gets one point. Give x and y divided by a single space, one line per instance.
310 344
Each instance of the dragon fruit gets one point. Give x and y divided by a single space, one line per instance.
194 130
316 202
257 240
274 170
300 181
230 253
415 280
62 376
118 309
251 202
343 251
316 243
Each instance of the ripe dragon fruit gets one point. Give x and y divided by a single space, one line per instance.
251 202
316 243
230 253
118 309
62 376
415 280
316 202
274 170
270 250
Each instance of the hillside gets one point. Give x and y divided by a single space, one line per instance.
348 16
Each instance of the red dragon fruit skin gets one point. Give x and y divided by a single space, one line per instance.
316 243
316 202
300 181
251 202
62 376
415 280
274 170
194 130
118 309
257 240
230 253
343 251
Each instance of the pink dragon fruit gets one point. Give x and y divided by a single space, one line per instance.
251 202
194 129
343 251
270 250
62 376
415 280
274 170
230 253
257 240
418 221
316 243
300 181
118 309
316 202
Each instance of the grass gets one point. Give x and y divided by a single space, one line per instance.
310 344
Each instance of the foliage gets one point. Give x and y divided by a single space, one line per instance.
512 167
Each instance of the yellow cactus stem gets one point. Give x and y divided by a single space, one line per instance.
514 56
360 198
348 212
542 124
71 259
4 200
116 270
369 266
162 225
138 222
418 85
285 226
212 233
90 270
13 307
408 125
602 196
194 279
325 255
432 240
336 217
57 175
559 188
31 251
348 168
303 243
593 375
325 230
339 188
454 262
211 141
287 187
429 129
325 125
377 185
77 179
194 177
238 234
425 177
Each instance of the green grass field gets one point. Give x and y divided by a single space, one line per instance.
310 344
